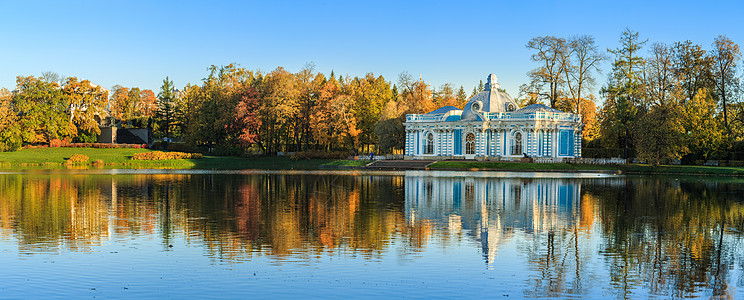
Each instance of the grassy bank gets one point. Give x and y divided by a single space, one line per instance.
347 163
625 169
120 158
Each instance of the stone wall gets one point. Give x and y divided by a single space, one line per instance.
108 135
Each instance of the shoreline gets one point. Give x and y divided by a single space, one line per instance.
56 159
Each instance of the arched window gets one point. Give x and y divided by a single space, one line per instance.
429 144
517 144
470 143
510 107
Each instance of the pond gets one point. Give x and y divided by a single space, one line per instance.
333 234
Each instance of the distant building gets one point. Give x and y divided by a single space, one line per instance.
492 125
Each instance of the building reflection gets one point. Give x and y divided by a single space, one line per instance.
493 210
668 237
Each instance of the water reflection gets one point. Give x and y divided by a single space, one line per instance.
490 210
230 215
590 237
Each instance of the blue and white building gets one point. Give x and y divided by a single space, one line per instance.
493 126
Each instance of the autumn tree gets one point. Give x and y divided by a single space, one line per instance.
147 105
247 122
192 106
86 104
370 94
10 130
279 106
390 129
725 57
590 131
445 96
213 119
308 83
343 120
693 68
660 138
659 131
120 102
705 134
415 97
42 107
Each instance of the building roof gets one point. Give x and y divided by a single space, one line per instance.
442 110
538 108
489 100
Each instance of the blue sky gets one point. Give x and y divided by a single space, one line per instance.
138 43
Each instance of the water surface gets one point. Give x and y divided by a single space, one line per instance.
416 234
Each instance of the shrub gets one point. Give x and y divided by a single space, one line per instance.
227 151
319 155
136 122
77 158
98 162
181 147
161 145
605 152
58 143
159 155
85 136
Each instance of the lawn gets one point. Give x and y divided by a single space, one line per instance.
348 163
55 158
120 158
41 156
627 169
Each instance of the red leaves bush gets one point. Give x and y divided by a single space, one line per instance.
159 155
104 146
63 143
58 143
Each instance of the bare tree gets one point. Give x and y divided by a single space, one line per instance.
693 68
550 54
53 77
661 84
582 59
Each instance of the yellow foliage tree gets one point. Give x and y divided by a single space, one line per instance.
86 101
704 132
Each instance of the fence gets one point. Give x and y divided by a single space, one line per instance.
590 161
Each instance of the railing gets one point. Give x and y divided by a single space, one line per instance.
565 117
534 116
423 118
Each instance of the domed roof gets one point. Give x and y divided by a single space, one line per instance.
537 108
442 110
489 100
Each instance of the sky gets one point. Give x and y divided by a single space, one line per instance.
139 43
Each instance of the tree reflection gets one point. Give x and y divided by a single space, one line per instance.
235 217
669 236
653 236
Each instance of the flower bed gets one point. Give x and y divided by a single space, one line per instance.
57 144
77 158
159 155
